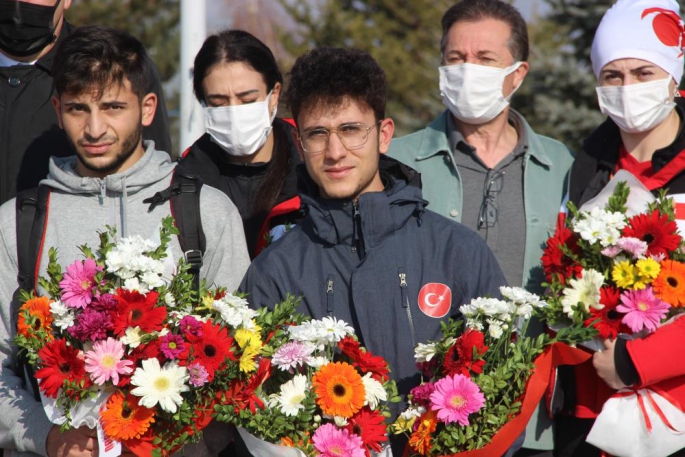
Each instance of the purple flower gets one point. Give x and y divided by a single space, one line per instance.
422 394
635 247
91 325
78 285
198 374
191 326
171 345
611 251
292 354
105 302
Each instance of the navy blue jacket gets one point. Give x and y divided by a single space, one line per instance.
368 268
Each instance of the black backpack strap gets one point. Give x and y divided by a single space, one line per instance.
31 213
184 194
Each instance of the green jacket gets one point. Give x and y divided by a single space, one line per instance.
547 165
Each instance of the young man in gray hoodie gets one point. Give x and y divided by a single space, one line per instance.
102 105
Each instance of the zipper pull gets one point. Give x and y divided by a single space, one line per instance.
329 286
403 279
329 295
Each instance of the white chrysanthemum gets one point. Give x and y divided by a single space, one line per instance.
133 337
332 329
583 292
474 324
160 385
412 412
491 306
525 311
601 226
340 421
495 328
234 311
169 300
135 284
317 362
469 310
152 280
374 392
63 316
424 352
293 392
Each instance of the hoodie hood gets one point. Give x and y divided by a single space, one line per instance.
116 191
380 213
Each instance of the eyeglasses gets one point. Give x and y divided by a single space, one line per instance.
352 135
493 185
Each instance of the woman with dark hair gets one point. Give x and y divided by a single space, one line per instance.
247 152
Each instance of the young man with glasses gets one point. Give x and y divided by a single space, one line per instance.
367 251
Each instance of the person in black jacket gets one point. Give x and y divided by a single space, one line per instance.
29 133
367 250
247 151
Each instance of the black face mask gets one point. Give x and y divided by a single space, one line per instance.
25 28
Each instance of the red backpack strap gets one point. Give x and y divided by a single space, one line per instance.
288 206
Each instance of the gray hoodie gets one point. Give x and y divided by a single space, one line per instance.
80 207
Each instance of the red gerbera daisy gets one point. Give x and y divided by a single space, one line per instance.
60 363
460 357
210 350
143 352
370 426
349 346
656 230
557 264
137 310
609 324
364 360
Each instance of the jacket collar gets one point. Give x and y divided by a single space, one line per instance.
45 62
382 213
435 141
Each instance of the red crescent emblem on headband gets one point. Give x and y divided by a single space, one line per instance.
435 299
668 27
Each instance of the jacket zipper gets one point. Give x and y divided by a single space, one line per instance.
405 303
358 237
329 295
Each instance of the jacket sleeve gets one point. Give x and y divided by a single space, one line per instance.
261 287
158 131
651 355
23 423
479 274
226 260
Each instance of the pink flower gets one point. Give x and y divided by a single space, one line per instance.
421 394
171 345
633 246
333 442
292 354
455 397
78 284
198 374
104 361
190 326
611 251
642 309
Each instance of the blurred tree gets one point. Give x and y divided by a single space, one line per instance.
402 35
153 23
558 96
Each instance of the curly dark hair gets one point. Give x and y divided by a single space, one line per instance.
325 76
99 57
478 10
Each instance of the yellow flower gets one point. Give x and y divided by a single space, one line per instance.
247 360
624 274
649 268
248 337
403 425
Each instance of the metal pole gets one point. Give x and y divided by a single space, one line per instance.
193 34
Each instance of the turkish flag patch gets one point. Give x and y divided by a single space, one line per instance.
435 299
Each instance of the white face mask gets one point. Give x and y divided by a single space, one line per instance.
241 129
637 107
473 93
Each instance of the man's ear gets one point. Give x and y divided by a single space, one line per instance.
57 105
148 107
520 74
385 132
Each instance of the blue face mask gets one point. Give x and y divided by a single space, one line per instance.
25 28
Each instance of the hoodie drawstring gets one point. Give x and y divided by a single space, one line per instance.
124 205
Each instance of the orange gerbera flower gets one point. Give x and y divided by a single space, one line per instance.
670 284
124 419
40 317
339 389
420 440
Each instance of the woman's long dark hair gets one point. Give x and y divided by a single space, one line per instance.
239 46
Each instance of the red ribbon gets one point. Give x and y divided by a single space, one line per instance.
641 404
